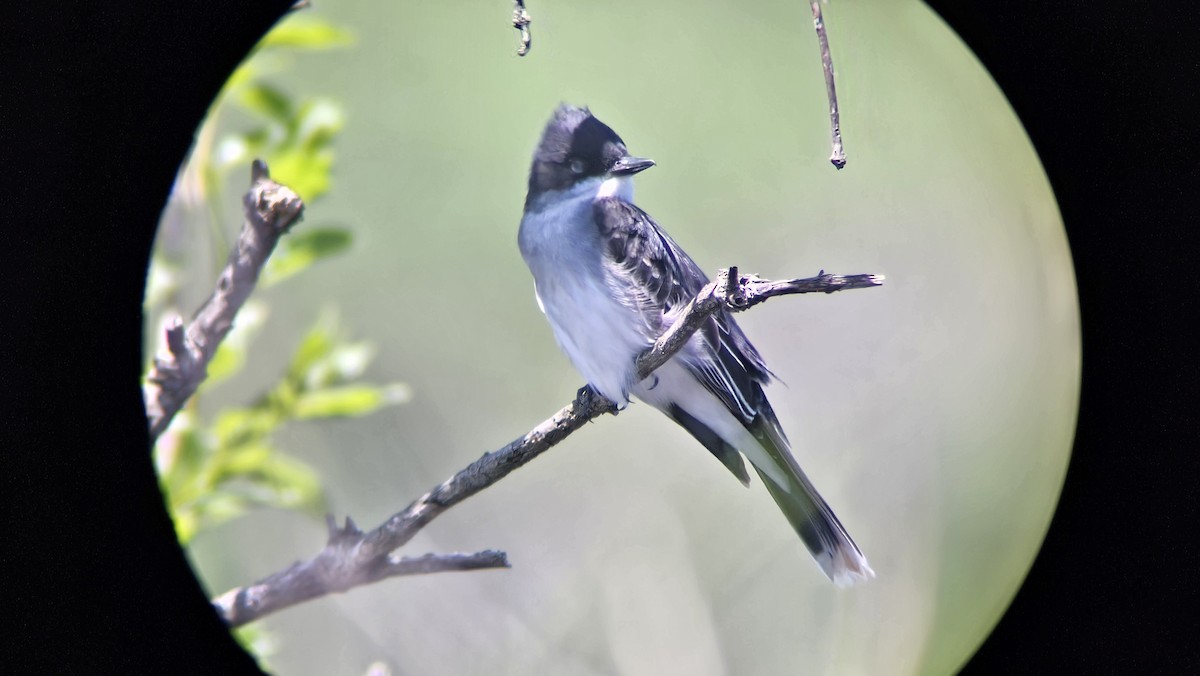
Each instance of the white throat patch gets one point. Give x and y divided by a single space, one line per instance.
616 186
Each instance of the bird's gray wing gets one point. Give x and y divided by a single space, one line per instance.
641 253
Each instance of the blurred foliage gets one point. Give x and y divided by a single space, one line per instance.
294 137
215 469
216 472
302 250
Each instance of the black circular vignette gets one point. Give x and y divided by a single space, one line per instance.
111 97
106 102
1109 99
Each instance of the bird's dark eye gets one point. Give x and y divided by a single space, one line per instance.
577 166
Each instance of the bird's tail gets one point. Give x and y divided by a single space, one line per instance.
807 511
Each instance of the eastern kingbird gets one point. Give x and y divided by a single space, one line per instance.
610 281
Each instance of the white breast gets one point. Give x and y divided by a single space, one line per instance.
562 246
599 335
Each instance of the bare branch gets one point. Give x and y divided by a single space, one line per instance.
352 558
441 563
838 156
749 291
521 21
271 209
337 568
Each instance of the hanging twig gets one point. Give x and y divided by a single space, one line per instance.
521 21
838 156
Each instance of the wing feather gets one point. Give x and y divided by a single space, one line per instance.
664 278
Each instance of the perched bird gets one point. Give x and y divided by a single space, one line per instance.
610 281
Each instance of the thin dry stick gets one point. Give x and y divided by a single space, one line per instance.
352 558
271 209
521 21
838 156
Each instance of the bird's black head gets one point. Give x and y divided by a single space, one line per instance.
575 146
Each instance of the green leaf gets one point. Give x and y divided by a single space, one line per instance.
304 159
246 72
307 32
211 509
246 459
301 170
267 101
257 139
317 122
346 362
240 426
287 482
348 400
301 249
221 506
187 524
317 344
215 508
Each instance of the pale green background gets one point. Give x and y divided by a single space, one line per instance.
936 413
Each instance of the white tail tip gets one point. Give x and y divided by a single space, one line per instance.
848 568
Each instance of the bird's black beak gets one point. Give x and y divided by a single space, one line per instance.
628 166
